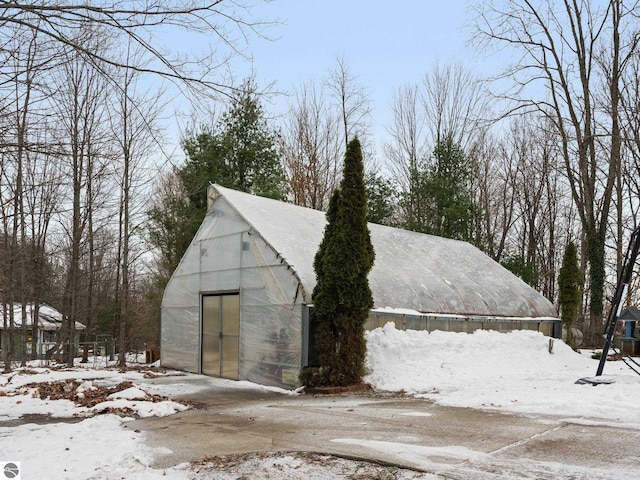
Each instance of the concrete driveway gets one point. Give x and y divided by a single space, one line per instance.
411 433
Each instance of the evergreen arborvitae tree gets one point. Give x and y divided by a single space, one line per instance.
322 328
342 297
570 282
329 232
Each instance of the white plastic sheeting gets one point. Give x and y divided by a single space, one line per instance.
263 249
228 256
412 270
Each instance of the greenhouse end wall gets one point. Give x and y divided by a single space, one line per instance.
227 256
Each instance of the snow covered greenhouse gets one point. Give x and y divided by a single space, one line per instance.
237 305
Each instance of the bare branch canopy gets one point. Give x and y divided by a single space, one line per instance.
158 28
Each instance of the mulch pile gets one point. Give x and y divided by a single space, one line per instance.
88 397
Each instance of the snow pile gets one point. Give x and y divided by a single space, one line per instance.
508 371
98 446
131 393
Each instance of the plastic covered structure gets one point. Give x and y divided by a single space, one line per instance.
260 251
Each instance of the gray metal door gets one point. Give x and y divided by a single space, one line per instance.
220 335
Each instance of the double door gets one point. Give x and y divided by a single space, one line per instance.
220 335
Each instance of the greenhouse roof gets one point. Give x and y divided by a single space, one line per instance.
412 270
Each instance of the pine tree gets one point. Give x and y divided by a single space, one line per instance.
451 209
249 147
240 152
342 297
382 199
570 282
440 201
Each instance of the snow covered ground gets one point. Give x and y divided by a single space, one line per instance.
90 437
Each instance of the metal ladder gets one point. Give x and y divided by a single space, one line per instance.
621 291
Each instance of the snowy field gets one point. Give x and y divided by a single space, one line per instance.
89 438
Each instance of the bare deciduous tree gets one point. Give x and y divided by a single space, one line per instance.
136 136
351 101
448 106
311 148
567 49
80 103
495 197
55 70
540 193
456 107
149 25
322 119
23 59
408 148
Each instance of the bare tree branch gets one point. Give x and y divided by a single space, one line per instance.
150 25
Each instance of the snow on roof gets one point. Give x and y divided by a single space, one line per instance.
48 317
412 270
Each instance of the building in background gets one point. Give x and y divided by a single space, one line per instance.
47 328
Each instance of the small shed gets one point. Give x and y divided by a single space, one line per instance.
237 304
630 344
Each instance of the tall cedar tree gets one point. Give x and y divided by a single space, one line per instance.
342 297
329 232
570 280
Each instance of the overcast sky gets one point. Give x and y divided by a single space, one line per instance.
386 45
